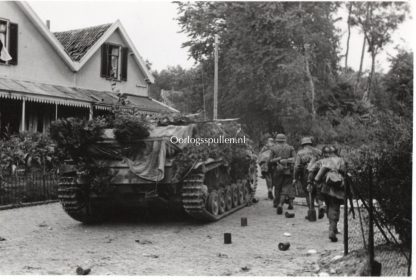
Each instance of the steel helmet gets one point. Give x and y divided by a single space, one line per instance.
326 150
280 137
306 140
334 150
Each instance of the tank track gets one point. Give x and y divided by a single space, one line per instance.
74 203
195 196
254 180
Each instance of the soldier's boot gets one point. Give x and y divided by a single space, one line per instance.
332 231
336 229
290 207
321 213
270 194
279 210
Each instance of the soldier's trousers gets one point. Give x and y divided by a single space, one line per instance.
268 178
283 189
333 212
315 193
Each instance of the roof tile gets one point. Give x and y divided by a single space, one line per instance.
77 42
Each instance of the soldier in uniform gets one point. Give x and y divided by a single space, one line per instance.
264 162
303 157
283 156
329 173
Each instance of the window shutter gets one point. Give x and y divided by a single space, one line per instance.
104 61
1 47
13 43
124 62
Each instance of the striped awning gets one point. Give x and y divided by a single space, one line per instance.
42 99
77 97
42 93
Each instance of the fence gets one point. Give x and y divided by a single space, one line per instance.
34 188
366 232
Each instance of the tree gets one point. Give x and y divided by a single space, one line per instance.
399 84
378 20
189 82
263 78
349 7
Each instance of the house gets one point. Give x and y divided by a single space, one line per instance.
45 76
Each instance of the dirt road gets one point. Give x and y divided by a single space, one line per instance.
44 240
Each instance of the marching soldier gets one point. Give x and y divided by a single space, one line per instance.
282 158
303 157
264 162
329 174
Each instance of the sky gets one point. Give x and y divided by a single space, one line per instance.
153 29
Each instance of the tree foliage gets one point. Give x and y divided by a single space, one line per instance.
377 21
262 69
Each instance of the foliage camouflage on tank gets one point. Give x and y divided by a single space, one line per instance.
207 181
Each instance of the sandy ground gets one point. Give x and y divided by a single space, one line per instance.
44 240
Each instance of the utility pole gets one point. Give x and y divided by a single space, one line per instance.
215 115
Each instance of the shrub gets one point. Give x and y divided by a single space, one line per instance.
27 151
388 155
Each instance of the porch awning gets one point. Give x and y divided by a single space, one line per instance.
73 96
43 93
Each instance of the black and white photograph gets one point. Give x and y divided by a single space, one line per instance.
206 138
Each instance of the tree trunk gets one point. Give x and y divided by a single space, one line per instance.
367 93
361 66
348 37
311 83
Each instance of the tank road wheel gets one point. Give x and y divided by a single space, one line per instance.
228 198
221 198
253 177
75 202
213 203
241 193
246 190
234 191
251 184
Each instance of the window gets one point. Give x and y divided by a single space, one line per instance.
114 62
8 42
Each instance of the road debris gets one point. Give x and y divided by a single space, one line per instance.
284 246
151 256
289 215
245 268
337 257
81 271
143 242
227 238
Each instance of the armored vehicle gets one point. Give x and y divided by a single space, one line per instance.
156 174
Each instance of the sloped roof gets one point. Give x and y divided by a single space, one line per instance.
44 93
77 42
73 96
146 104
82 56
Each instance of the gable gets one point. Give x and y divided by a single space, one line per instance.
89 75
37 59
117 26
87 52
